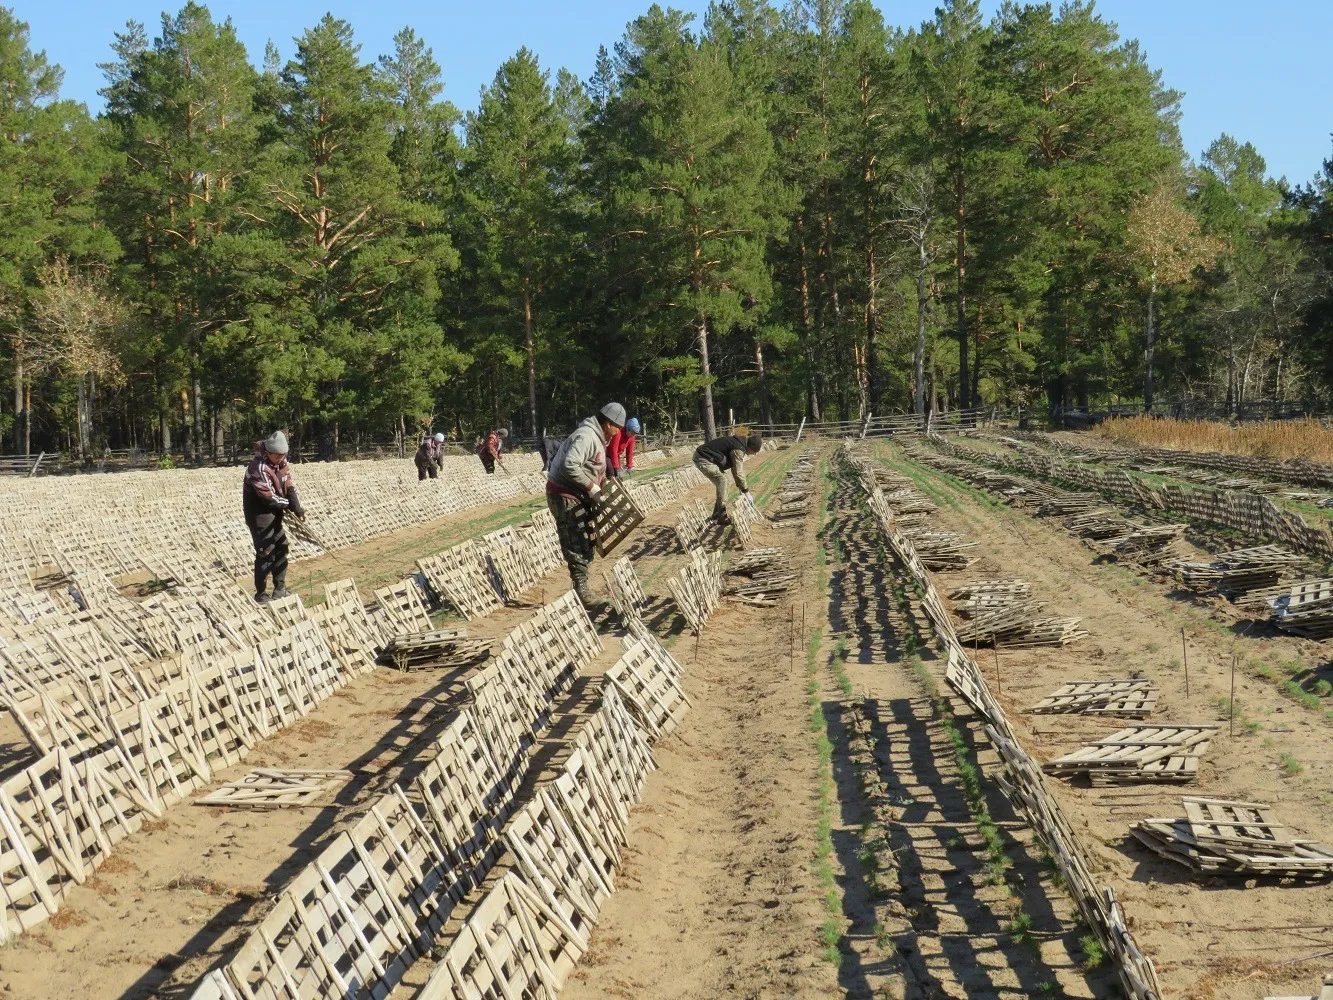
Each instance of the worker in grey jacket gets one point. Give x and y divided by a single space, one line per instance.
573 484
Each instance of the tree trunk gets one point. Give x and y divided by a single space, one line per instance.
82 418
919 358
807 321
27 418
1150 347
872 346
20 414
528 343
765 405
710 423
1231 376
164 426
960 220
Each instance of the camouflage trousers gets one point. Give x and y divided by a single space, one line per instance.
717 477
575 543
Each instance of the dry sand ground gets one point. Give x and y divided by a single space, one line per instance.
1210 938
180 894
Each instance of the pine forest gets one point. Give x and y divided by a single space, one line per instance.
771 212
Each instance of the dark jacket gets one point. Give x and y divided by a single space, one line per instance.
719 450
429 453
268 489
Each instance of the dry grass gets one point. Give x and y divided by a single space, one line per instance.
1308 439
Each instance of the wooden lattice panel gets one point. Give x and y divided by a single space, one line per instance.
651 692
288 611
272 788
462 576
350 636
1135 698
553 860
509 559
1165 753
463 796
402 603
512 945
615 517
410 863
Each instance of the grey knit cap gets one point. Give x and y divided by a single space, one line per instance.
615 413
754 442
276 443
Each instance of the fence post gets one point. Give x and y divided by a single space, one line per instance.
865 424
800 429
33 471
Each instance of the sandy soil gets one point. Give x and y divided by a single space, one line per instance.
179 895
718 894
925 914
1209 938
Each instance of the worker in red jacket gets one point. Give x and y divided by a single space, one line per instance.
620 449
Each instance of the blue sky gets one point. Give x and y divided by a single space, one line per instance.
1261 71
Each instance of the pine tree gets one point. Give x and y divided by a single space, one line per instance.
180 113
520 160
692 202
50 163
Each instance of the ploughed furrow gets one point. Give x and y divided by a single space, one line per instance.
1209 935
943 890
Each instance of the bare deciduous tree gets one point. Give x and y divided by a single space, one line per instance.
916 210
81 318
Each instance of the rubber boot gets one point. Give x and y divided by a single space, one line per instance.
279 590
720 514
579 576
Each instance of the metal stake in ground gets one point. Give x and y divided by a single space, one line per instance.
1185 658
1231 723
995 642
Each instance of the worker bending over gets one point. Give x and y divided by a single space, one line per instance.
268 494
490 448
620 452
713 458
429 458
573 486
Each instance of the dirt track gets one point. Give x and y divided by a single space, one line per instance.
1208 937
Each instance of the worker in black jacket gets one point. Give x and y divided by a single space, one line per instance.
713 458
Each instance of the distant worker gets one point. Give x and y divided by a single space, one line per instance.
490 449
620 452
268 494
713 458
573 488
429 458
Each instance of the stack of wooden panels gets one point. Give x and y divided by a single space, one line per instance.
1238 572
942 550
759 575
1066 504
1235 838
983 595
1011 619
443 647
1143 753
1325 994
271 788
1148 545
1304 609
1134 698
